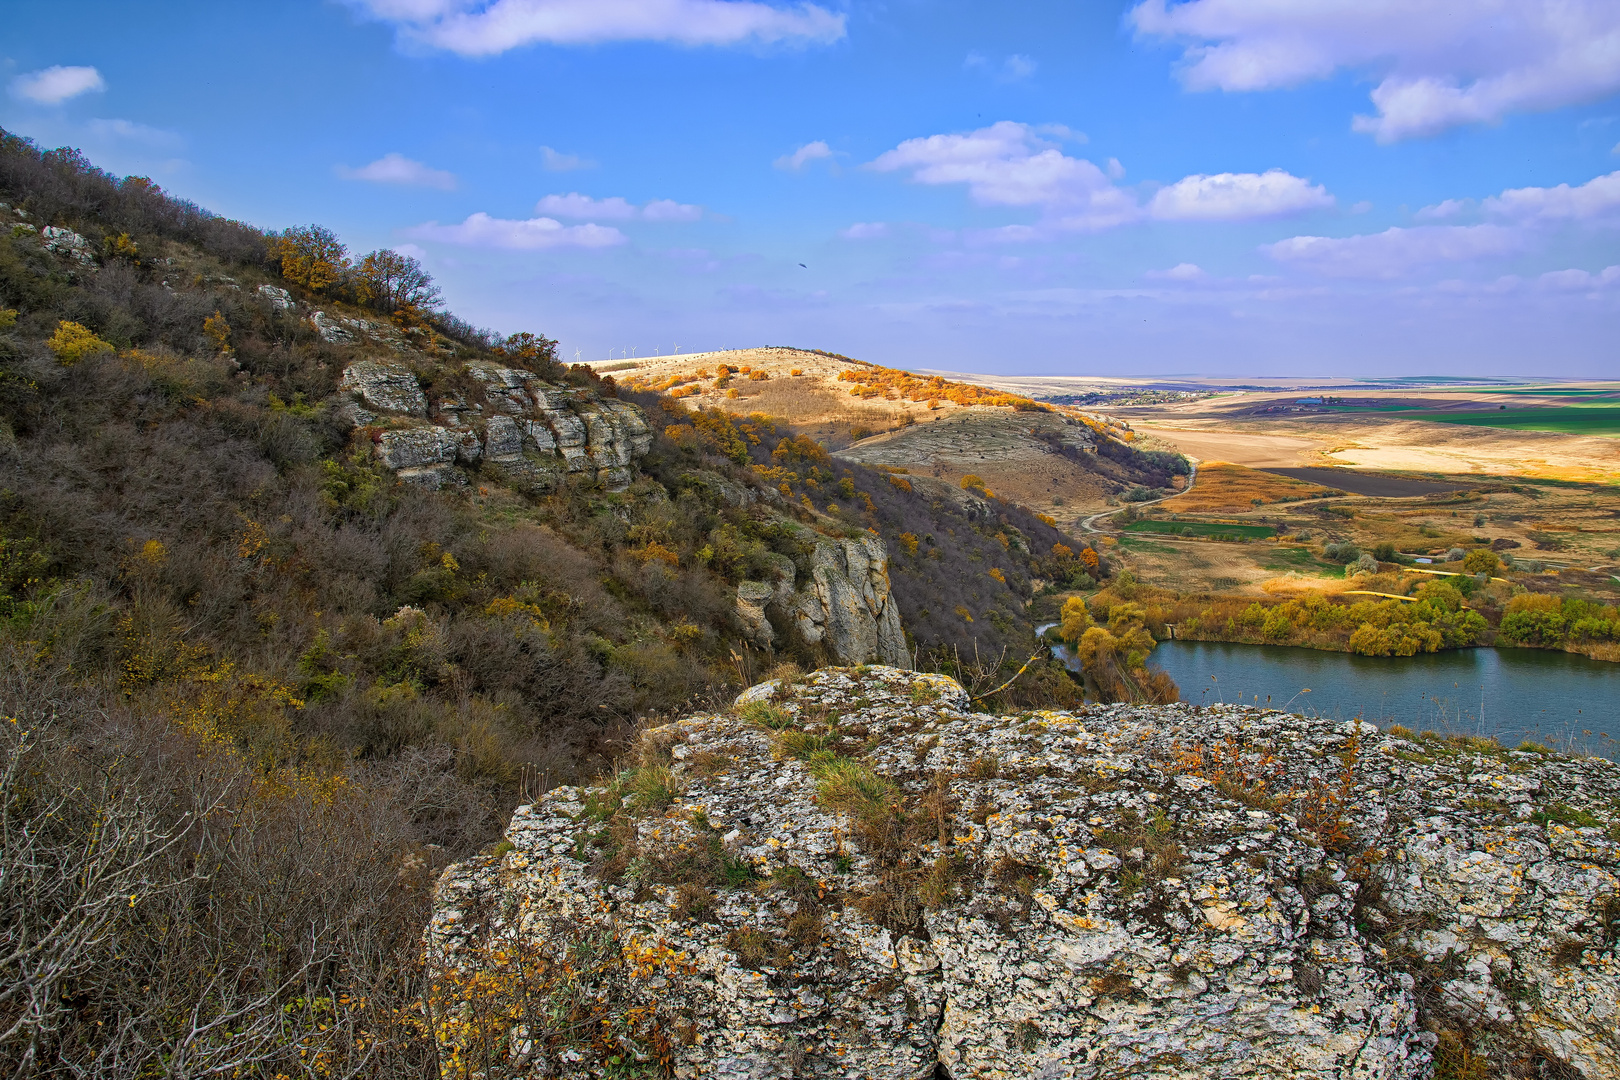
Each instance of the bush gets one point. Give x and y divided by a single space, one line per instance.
1344 552
1481 561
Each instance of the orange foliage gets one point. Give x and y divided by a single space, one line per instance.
896 385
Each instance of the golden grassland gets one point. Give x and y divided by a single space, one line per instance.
1225 487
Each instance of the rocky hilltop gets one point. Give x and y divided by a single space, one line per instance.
853 874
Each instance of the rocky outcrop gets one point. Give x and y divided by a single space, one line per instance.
69 243
855 875
385 387
279 299
844 601
525 432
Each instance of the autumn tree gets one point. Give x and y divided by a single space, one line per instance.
313 257
389 281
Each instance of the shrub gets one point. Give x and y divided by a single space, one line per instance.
1343 552
72 343
1481 561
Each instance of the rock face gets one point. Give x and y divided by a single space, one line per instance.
525 431
858 876
844 602
69 243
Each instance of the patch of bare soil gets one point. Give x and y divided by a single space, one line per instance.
1360 483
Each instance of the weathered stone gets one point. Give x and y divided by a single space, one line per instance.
334 331
415 447
67 242
1080 899
502 437
752 596
847 602
385 387
280 299
522 443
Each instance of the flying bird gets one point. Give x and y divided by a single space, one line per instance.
806 267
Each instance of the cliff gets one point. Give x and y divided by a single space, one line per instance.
854 874
845 602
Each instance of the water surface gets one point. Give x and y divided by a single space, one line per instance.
1513 694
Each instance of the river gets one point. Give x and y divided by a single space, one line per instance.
1556 698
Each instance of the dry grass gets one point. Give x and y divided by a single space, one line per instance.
1225 487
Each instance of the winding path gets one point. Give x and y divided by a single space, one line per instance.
1090 524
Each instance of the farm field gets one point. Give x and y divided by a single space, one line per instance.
1602 420
1211 529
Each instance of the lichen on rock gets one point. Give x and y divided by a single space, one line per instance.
854 874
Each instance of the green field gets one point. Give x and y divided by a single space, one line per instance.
1201 528
1594 419
1147 547
1301 559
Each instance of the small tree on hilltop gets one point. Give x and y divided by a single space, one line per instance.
388 281
312 257
1481 561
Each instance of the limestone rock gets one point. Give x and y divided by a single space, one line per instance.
528 432
847 602
67 242
280 299
407 448
334 330
385 387
855 875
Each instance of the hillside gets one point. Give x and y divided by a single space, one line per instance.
1052 459
306 583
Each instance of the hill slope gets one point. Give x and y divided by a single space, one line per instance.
305 583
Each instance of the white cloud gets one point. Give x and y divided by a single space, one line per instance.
1237 197
865 230
670 210
1180 272
56 84
1447 208
1438 65
1395 251
1580 280
812 151
1009 164
482 28
1596 198
134 132
399 169
534 234
555 161
577 206
1014 68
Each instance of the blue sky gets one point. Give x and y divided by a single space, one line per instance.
1215 187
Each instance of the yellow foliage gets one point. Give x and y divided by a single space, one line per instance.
996 572
72 343
1076 619
217 330
908 541
311 257
655 552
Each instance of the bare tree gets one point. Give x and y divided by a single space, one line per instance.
390 281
